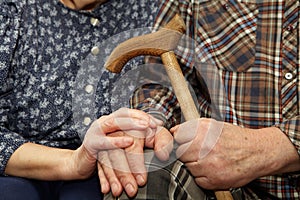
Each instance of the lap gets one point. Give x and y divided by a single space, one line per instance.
82 190
12 188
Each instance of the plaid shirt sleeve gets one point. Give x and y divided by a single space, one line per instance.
159 101
291 128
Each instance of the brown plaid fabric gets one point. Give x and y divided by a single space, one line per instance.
171 181
166 181
242 60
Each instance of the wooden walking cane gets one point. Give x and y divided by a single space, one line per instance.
162 43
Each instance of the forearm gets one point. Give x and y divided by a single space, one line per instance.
282 155
45 163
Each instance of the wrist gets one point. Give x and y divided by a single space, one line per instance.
276 160
80 164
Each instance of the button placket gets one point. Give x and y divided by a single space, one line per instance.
89 88
95 22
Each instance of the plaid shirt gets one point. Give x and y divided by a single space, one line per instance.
243 55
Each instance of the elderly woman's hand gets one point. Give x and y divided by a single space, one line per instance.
47 163
96 139
124 169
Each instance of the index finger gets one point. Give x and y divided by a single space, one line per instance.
186 131
163 144
109 124
135 114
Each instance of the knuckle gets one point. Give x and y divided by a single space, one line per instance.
108 121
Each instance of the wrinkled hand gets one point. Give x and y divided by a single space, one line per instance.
96 139
221 155
124 169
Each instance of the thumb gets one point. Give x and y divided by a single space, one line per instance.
163 144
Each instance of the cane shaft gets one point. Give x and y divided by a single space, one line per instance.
185 99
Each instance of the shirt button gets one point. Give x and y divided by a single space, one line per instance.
87 121
288 76
94 21
89 88
290 28
95 51
226 6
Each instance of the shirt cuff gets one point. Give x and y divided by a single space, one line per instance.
158 101
292 129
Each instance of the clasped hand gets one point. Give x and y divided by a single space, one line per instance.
219 155
117 141
208 148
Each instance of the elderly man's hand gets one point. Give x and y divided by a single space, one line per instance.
221 155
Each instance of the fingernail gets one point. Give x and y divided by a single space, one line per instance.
158 121
174 129
140 180
114 187
128 140
129 189
166 155
153 124
104 188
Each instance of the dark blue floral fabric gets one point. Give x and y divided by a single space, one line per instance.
51 62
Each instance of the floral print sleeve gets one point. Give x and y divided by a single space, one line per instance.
9 23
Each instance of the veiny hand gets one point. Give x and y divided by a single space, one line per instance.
96 139
124 169
221 155
115 170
